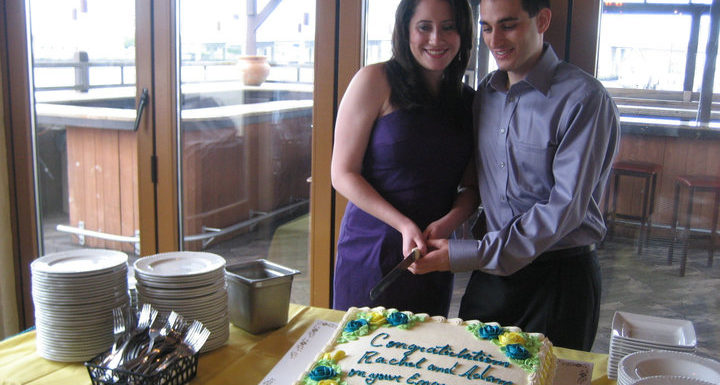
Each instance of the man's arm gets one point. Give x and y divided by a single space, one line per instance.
584 153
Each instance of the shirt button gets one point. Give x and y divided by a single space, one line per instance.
511 99
502 130
502 164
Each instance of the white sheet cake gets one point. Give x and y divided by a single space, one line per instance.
384 346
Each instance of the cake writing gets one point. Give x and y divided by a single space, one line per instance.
440 350
382 340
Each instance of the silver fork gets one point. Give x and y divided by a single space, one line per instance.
147 352
146 314
118 325
140 338
192 342
118 332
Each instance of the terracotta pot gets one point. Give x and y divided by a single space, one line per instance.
255 69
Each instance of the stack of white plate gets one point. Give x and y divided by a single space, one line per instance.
74 293
638 333
656 366
190 283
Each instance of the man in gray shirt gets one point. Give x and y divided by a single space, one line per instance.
546 134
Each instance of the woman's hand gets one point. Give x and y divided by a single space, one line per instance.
412 238
439 229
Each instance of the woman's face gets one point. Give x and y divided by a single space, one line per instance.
434 39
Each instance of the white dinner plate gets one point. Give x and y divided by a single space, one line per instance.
181 281
181 293
179 263
656 330
210 306
78 263
77 283
669 363
636 346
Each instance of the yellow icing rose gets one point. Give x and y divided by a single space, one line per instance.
328 382
376 319
509 338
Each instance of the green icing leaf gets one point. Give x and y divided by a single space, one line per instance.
532 344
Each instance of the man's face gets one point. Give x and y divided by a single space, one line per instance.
513 37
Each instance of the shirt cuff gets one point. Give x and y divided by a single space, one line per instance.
463 254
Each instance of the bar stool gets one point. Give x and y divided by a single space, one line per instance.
694 183
646 170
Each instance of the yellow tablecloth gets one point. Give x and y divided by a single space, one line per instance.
245 359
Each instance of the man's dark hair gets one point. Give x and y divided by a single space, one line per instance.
532 7
404 73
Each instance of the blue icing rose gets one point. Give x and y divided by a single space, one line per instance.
490 332
517 351
322 372
355 325
397 318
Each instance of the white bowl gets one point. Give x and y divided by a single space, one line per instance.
652 363
670 380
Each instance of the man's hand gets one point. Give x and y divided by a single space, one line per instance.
437 259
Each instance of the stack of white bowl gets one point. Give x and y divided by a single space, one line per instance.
637 333
74 293
190 283
664 367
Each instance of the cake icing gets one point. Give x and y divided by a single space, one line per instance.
386 346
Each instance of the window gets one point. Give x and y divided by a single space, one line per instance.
652 56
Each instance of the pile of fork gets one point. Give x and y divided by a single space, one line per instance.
148 342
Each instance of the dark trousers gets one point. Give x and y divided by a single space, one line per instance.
558 295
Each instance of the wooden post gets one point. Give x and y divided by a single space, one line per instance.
82 72
706 91
254 21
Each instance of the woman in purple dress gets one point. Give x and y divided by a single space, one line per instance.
401 156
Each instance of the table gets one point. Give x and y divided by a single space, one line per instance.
245 359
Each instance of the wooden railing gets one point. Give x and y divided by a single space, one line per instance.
82 67
661 104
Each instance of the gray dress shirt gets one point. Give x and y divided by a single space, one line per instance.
545 149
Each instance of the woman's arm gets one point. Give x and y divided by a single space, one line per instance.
366 99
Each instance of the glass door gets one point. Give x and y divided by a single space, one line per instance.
245 106
83 84
81 154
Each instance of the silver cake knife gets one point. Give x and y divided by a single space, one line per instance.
394 273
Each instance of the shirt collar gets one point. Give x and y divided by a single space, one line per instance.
539 76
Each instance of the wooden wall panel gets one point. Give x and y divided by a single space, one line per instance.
678 156
128 185
109 187
102 184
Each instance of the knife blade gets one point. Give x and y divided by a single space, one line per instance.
394 274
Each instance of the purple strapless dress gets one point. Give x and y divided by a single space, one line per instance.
415 161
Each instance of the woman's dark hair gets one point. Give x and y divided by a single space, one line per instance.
405 75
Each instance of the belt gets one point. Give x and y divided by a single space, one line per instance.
564 253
